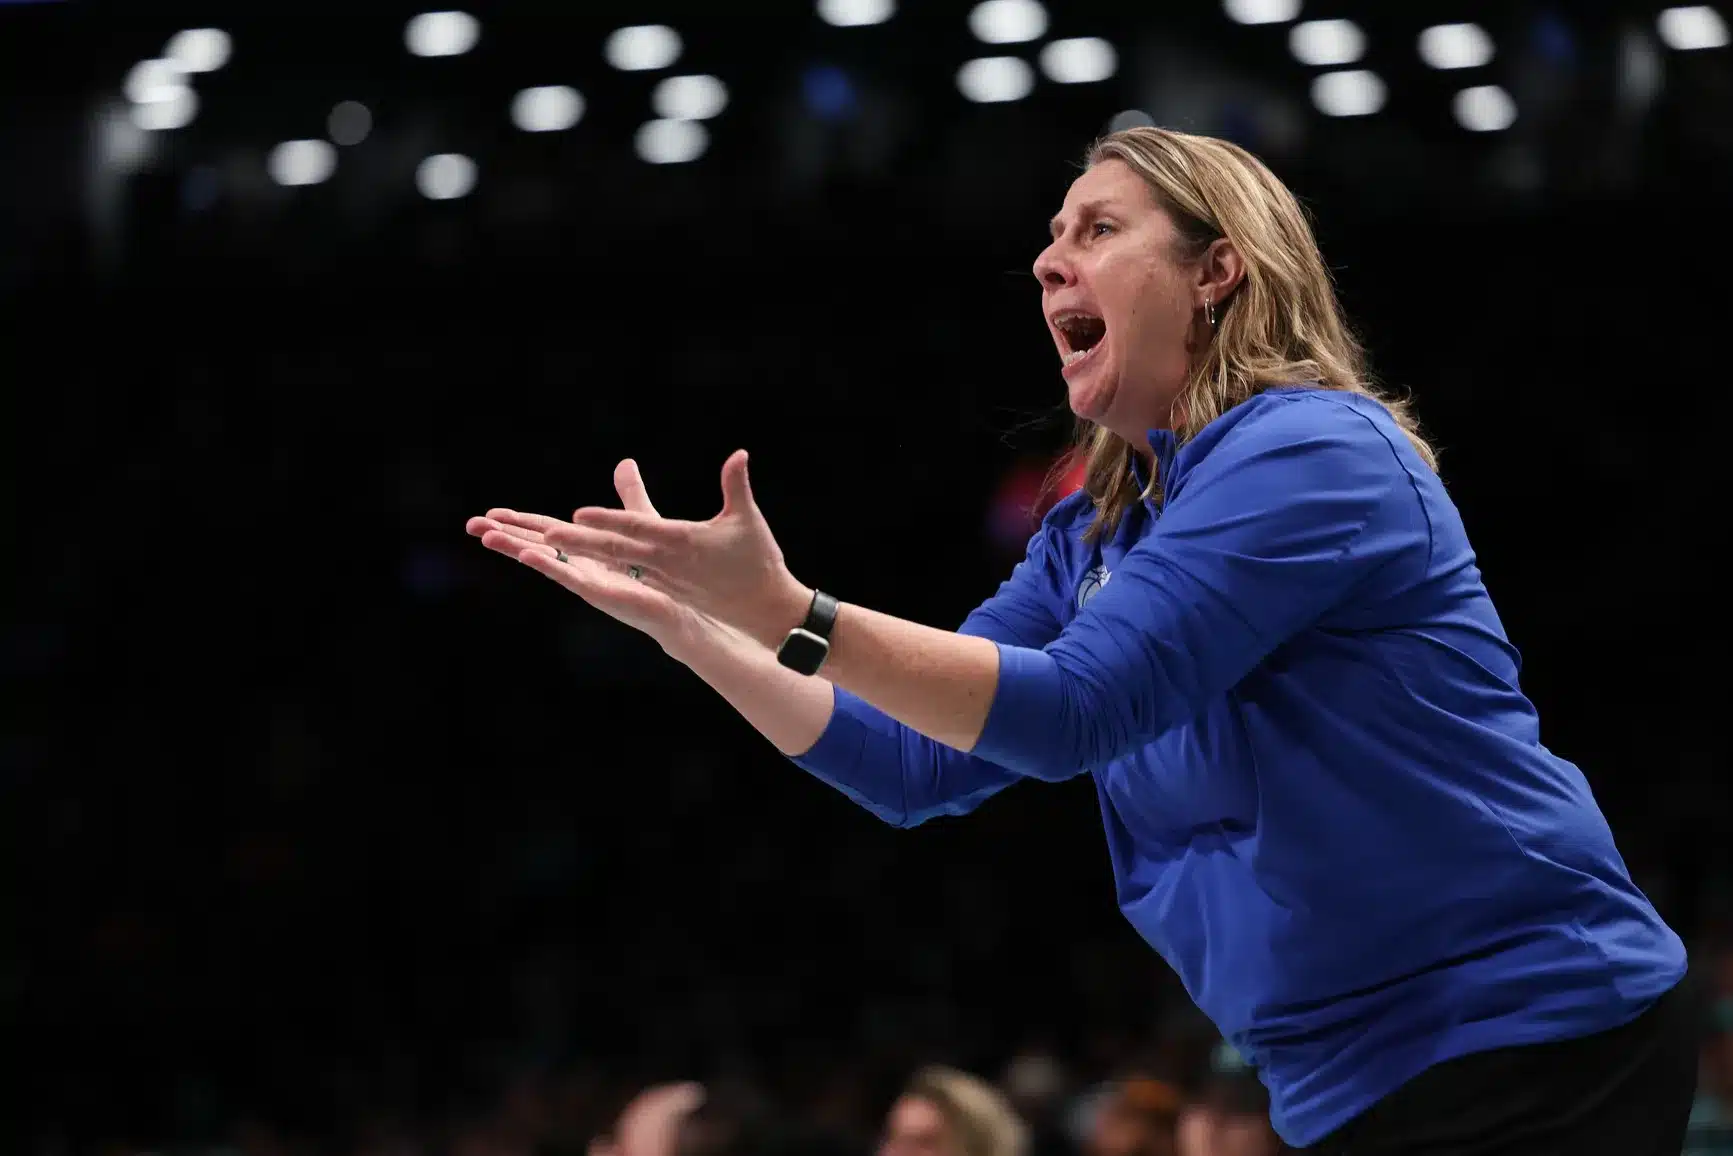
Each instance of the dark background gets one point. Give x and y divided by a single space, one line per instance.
328 826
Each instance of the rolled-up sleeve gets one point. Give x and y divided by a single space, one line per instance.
904 777
1284 519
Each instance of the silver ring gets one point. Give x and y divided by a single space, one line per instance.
560 555
635 573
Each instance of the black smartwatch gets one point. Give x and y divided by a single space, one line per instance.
808 645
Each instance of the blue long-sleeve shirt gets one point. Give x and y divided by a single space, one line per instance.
1326 800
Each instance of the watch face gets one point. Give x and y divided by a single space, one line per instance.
803 651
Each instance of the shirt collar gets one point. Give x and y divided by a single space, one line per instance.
1166 445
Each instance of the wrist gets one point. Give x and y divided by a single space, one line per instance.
695 635
785 611
702 639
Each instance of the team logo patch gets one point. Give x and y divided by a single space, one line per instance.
1092 582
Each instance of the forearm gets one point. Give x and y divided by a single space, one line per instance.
935 682
899 775
1011 707
789 709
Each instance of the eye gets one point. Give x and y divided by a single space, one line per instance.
1101 229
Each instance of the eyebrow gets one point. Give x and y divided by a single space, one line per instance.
1086 209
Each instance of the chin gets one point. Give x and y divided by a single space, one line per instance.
1092 398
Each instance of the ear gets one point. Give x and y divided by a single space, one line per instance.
1219 272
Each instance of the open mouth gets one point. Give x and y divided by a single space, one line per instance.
1080 333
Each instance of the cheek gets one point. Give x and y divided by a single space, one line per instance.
1148 304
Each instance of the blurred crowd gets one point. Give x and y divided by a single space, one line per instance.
1184 1097
1038 1107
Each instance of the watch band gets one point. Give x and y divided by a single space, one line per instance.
807 646
821 615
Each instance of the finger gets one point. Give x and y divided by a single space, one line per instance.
537 522
618 550
661 533
579 580
481 527
513 546
629 484
606 590
514 540
736 489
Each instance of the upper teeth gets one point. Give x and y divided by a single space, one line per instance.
1069 317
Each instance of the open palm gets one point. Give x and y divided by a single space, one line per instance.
727 568
522 536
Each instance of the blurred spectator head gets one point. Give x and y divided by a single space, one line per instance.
1231 1115
651 1123
1203 1131
944 1112
1137 1117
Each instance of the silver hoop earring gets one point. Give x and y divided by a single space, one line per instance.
1209 312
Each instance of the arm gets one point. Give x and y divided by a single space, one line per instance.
1290 512
902 777
790 710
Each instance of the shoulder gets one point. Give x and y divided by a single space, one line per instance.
1303 415
1070 516
1062 536
1306 433
1313 465
1058 543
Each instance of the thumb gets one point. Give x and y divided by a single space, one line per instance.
629 484
736 488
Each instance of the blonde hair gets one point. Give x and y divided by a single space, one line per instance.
979 1114
1282 325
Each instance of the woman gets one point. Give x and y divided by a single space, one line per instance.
1261 630
945 1112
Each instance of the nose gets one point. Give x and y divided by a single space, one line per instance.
1053 269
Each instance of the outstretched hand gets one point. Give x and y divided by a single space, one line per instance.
728 568
607 587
